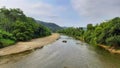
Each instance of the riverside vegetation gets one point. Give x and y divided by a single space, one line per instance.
106 33
16 26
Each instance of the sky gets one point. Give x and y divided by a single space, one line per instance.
77 13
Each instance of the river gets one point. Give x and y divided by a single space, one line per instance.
73 54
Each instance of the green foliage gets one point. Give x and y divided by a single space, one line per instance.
107 33
6 39
113 41
87 36
6 35
90 27
21 31
9 16
15 26
42 31
6 42
74 32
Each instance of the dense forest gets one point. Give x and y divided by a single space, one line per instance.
107 33
16 26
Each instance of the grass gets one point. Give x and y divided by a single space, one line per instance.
6 42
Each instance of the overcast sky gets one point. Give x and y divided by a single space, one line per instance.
67 12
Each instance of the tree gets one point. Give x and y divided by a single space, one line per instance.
106 33
90 27
21 31
16 26
113 41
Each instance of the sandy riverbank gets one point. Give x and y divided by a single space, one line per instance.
110 49
31 45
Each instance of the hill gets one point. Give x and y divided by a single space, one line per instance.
52 26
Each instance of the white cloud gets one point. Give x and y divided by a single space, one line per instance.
97 10
33 9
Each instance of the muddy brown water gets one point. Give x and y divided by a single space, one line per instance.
72 54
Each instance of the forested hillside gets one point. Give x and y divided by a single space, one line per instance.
107 33
16 26
52 26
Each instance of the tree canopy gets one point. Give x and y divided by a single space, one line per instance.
16 26
107 33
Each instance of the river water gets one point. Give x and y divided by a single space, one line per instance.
73 54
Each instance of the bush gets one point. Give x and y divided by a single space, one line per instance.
113 41
6 35
6 42
6 39
21 31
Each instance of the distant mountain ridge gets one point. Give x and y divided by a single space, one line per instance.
52 26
